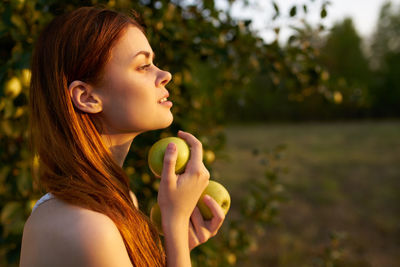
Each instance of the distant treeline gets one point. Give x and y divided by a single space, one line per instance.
349 78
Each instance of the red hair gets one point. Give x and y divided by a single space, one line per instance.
75 164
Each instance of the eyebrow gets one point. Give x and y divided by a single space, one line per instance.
145 53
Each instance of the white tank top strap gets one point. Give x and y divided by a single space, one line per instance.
43 199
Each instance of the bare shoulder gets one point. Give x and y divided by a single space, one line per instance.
59 234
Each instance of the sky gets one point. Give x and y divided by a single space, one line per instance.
364 13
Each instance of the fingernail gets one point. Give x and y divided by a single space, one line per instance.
171 147
207 197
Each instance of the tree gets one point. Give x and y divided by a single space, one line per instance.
343 57
208 54
385 58
288 77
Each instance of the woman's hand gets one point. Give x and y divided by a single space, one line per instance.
178 194
177 197
200 230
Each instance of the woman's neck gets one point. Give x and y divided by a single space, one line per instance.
119 145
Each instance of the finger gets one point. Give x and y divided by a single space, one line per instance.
168 171
196 148
203 234
218 214
193 241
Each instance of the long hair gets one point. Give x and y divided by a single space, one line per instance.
75 165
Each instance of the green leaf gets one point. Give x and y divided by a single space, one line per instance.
293 11
292 38
9 109
276 8
305 8
208 4
323 13
10 211
24 182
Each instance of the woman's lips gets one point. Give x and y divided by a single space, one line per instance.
166 103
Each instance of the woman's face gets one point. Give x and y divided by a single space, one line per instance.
133 88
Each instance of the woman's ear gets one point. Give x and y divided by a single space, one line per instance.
84 98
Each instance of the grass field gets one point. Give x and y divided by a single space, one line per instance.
343 181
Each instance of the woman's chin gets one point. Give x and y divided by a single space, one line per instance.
169 122
166 123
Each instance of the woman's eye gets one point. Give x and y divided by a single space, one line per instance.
144 67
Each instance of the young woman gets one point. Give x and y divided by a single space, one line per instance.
94 88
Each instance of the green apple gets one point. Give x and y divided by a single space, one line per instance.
208 156
219 193
157 151
26 77
13 87
214 189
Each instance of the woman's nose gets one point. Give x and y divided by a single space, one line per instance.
165 78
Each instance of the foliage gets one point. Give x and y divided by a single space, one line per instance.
365 85
290 82
385 56
210 56
259 209
321 73
222 71
342 55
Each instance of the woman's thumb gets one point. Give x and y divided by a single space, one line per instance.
168 170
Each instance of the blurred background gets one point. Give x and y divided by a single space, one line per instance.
296 104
